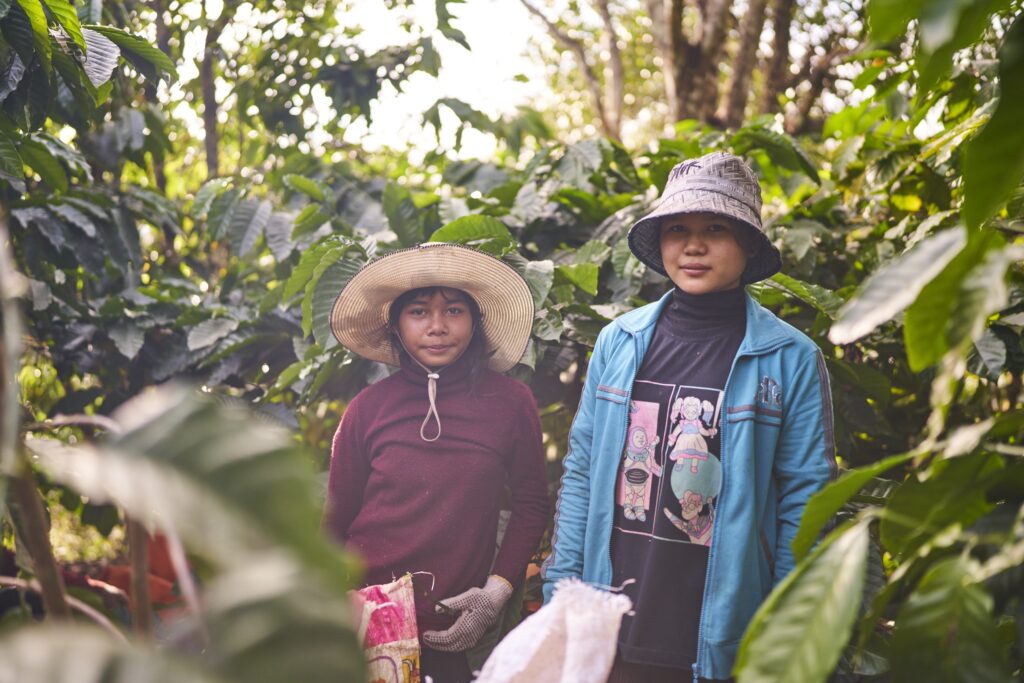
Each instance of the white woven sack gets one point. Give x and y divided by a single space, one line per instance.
572 639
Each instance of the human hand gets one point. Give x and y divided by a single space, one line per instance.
478 608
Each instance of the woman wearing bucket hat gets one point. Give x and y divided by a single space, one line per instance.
420 460
736 413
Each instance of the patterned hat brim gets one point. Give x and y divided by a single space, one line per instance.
645 235
359 318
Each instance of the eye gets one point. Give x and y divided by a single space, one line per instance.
717 227
415 310
456 310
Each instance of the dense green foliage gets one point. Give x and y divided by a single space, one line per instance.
899 227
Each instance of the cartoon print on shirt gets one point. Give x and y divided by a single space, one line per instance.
639 463
697 474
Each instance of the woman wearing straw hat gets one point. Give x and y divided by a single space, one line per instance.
739 402
421 458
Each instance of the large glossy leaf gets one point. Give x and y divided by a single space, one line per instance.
206 194
444 22
403 216
583 275
128 338
827 502
800 631
310 261
210 332
40 33
581 160
101 55
888 19
325 290
149 61
539 275
943 29
953 494
951 310
309 187
69 654
782 149
11 164
895 286
483 232
820 298
270 623
67 17
247 223
39 159
994 161
278 233
230 487
350 258
946 633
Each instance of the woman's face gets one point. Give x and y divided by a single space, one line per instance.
436 329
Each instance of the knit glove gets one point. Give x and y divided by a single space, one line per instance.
478 608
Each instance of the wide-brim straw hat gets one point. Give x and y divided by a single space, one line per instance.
719 183
359 318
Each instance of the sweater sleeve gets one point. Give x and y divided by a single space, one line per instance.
528 493
346 481
805 458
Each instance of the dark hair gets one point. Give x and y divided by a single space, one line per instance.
476 352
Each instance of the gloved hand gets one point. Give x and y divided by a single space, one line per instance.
478 608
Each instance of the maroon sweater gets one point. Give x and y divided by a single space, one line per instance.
408 505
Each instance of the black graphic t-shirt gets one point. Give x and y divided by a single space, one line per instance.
670 475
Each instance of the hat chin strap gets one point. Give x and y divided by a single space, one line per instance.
432 377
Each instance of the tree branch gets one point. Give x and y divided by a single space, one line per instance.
78 605
738 88
37 539
138 552
576 47
777 69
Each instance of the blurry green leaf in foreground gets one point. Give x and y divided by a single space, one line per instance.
231 488
85 655
801 629
994 161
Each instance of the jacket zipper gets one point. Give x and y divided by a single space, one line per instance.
714 524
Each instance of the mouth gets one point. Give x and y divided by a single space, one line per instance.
694 268
438 348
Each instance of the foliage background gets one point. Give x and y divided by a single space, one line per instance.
139 253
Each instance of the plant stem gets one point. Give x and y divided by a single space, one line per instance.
75 603
37 538
138 549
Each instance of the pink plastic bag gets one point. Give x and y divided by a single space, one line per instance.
387 629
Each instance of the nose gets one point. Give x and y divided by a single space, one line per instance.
694 244
437 324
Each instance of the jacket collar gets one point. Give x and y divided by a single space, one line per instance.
764 331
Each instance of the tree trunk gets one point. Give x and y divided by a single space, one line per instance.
714 24
209 89
163 42
615 80
738 88
138 550
667 28
777 69
798 118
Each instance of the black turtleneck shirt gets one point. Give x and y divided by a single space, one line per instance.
671 473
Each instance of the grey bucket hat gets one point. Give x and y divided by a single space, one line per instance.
718 183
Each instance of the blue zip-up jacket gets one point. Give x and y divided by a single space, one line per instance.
778 447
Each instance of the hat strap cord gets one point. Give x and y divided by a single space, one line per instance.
432 377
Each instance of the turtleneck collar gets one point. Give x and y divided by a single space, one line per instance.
699 316
448 375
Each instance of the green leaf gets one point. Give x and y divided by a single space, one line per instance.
583 275
325 290
63 653
278 234
444 22
828 501
782 149
548 325
403 217
39 159
206 194
994 159
539 275
888 19
246 225
952 308
309 220
945 631
307 186
209 332
303 271
820 298
895 286
231 487
101 56
76 217
580 161
40 33
11 164
955 493
800 631
148 60
219 216
991 354
483 232
127 338
67 17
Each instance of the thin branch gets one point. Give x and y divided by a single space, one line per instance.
576 47
77 420
138 551
75 603
37 539
614 73
186 581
